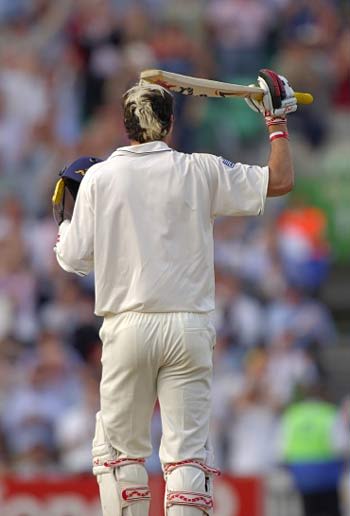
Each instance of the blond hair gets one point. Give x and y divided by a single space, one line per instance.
148 110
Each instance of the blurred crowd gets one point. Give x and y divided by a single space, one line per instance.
64 66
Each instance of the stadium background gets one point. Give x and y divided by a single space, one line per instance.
283 296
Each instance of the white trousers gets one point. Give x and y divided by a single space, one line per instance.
157 355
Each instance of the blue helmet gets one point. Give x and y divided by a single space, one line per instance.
73 174
68 185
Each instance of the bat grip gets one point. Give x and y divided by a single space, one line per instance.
302 98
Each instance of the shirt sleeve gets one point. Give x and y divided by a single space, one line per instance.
75 242
235 189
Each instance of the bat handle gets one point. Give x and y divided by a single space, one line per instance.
304 98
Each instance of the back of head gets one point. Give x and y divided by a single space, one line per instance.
148 110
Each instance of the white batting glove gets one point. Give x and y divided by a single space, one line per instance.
279 99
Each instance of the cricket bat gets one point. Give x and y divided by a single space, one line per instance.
207 88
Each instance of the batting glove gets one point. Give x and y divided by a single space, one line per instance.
278 100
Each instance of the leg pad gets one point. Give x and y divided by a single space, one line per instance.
123 482
188 483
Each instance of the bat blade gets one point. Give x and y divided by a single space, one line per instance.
196 86
199 87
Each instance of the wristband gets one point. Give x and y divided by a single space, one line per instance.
278 134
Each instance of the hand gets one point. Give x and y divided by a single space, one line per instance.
278 100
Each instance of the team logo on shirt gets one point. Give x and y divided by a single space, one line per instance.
228 163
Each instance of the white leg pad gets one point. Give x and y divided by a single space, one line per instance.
188 492
123 482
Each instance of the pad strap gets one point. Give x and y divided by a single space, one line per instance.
136 494
199 500
102 465
209 471
118 463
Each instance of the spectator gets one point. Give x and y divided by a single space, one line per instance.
314 442
69 308
303 245
237 313
288 367
95 30
306 63
49 385
74 430
252 423
342 70
308 319
239 30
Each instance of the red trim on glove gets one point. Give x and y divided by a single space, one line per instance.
269 120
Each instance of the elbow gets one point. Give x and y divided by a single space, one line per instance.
276 190
287 187
280 185
63 262
75 266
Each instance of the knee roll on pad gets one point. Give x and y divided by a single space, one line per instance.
189 485
123 482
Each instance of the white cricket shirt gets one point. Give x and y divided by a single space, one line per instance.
143 221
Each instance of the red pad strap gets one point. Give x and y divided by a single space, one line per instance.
170 466
117 463
199 500
133 494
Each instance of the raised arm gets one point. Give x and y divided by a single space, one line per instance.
278 101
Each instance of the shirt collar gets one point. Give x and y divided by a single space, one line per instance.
142 148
